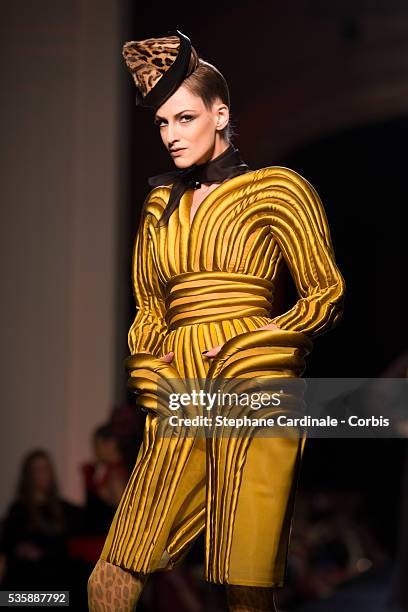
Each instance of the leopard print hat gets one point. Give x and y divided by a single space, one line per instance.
158 66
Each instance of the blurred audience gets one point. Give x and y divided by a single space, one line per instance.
331 543
105 478
33 542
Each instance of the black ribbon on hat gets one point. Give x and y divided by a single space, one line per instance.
227 165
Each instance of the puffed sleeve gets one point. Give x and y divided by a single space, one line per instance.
148 329
301 229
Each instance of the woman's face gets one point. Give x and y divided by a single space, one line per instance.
191 132
41 474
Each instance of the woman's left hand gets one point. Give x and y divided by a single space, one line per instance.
213 352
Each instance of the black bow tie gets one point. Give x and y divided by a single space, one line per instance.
227 165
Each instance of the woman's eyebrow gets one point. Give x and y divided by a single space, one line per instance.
187 110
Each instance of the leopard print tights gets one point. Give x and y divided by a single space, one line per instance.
112 589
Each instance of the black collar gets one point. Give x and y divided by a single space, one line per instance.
226 165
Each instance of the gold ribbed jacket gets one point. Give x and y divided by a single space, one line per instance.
199 286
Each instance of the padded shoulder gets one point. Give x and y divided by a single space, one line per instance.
275 174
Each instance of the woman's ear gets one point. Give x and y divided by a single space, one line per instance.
222 116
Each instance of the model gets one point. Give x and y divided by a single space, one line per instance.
212 239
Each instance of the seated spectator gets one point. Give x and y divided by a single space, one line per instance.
105 479
33 548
